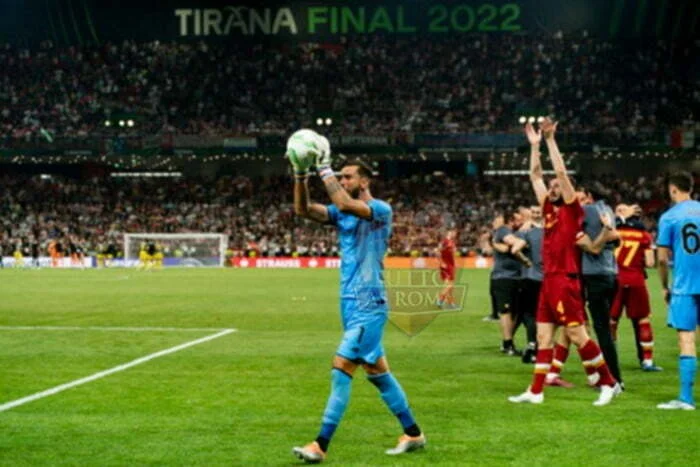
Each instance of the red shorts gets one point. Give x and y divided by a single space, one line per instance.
447 274
634 299
561 301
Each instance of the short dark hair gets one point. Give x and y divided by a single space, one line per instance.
363 168
510 215
682 180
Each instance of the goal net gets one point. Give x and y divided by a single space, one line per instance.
184 249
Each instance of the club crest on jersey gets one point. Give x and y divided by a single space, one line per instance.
550 219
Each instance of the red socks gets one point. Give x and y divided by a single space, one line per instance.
542 364
560 355
593 358
645 337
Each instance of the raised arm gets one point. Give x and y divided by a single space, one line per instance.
535 138
625 211
340 198
303 206
567 189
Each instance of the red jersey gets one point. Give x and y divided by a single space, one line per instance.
447 252
630 256
562 225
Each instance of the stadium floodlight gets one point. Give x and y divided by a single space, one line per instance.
540 119
531 120
192 249
108 123
329 122
523 119
319 121
121 122
129 123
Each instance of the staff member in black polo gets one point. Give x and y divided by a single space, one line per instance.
599 272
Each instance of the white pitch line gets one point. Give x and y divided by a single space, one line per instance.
104 328
116 369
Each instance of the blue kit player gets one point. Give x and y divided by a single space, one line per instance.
679 235
364 228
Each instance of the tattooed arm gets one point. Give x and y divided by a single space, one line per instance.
303 206
343 201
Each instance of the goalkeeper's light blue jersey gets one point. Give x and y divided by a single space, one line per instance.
363 243
679 230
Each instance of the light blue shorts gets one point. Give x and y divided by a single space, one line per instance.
363 330
684 312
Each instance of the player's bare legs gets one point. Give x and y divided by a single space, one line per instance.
507 327
446 296
446 255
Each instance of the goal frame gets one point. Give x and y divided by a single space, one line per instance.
222 238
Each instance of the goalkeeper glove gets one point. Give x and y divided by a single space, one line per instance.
323 158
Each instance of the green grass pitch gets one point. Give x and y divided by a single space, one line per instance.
246 398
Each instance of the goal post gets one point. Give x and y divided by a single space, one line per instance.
181 249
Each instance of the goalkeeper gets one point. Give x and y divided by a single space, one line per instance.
364 227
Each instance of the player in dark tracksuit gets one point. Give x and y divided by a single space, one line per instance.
599 279
505 280
530 285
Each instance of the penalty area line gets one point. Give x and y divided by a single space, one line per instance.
116 369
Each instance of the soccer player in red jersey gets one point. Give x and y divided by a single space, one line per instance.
447 270
634 254
561 300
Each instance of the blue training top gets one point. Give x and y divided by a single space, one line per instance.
679 230
363 244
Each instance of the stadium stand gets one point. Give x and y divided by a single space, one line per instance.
258 215
380 85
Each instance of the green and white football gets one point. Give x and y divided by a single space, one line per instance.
302 148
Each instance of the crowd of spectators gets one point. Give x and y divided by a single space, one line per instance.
258 215
374 84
